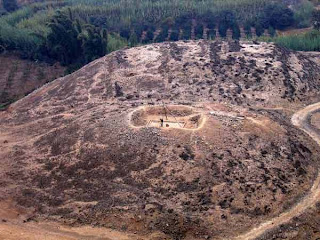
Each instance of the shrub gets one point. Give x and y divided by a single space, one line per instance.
10 5
276 15
303 14
115 42
272 31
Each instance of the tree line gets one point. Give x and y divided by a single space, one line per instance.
77 34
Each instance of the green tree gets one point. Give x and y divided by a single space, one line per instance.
259 29
149 36
303 14
163 34
63 43
272 31
94 42
211 34
198 31
236 31
174 35
10 5
276 15
247 29
133 39
227 20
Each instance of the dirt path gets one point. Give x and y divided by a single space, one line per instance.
53 231
13 227
300 119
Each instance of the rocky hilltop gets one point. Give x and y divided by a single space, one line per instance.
89 148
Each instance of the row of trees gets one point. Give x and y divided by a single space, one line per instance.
275 16
78 35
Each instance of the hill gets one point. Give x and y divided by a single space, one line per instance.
89 149
19 77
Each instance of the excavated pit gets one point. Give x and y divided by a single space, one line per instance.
172 116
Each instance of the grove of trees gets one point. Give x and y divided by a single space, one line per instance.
75 32
71 42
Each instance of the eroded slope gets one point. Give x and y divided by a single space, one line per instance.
69 152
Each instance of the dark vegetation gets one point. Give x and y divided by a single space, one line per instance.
309 41
71 42
10 5
316 19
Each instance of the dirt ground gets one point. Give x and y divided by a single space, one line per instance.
20 77
70 154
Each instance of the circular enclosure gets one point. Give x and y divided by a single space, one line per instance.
167 116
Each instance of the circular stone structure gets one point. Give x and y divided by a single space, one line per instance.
167 116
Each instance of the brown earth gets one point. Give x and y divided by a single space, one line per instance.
315 120
20 77
294 31
69 153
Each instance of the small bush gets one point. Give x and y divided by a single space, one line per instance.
303 14
272 31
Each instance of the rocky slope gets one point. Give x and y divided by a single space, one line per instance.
73 152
